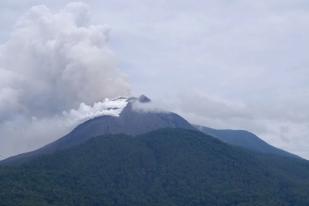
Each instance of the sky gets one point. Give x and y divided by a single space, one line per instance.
223 64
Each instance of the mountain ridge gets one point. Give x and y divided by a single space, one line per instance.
244 139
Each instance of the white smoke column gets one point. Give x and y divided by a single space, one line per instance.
52 62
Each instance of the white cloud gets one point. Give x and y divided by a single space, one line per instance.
247 60
53 62
107 107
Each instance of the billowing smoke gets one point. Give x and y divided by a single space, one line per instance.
53 62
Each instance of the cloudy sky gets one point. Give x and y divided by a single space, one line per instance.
225 64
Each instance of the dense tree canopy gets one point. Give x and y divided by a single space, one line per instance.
164 167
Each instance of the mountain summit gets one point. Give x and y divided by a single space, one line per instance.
116 116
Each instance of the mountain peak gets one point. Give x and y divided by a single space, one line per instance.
141 99
144 99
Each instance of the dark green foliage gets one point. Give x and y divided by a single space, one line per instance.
166 167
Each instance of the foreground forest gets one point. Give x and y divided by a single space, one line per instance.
163 167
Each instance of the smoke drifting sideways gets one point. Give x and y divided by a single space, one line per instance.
52 63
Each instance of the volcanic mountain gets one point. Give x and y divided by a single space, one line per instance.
133 155
117 116
133 116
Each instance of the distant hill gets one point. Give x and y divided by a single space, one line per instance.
244 139
175 167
